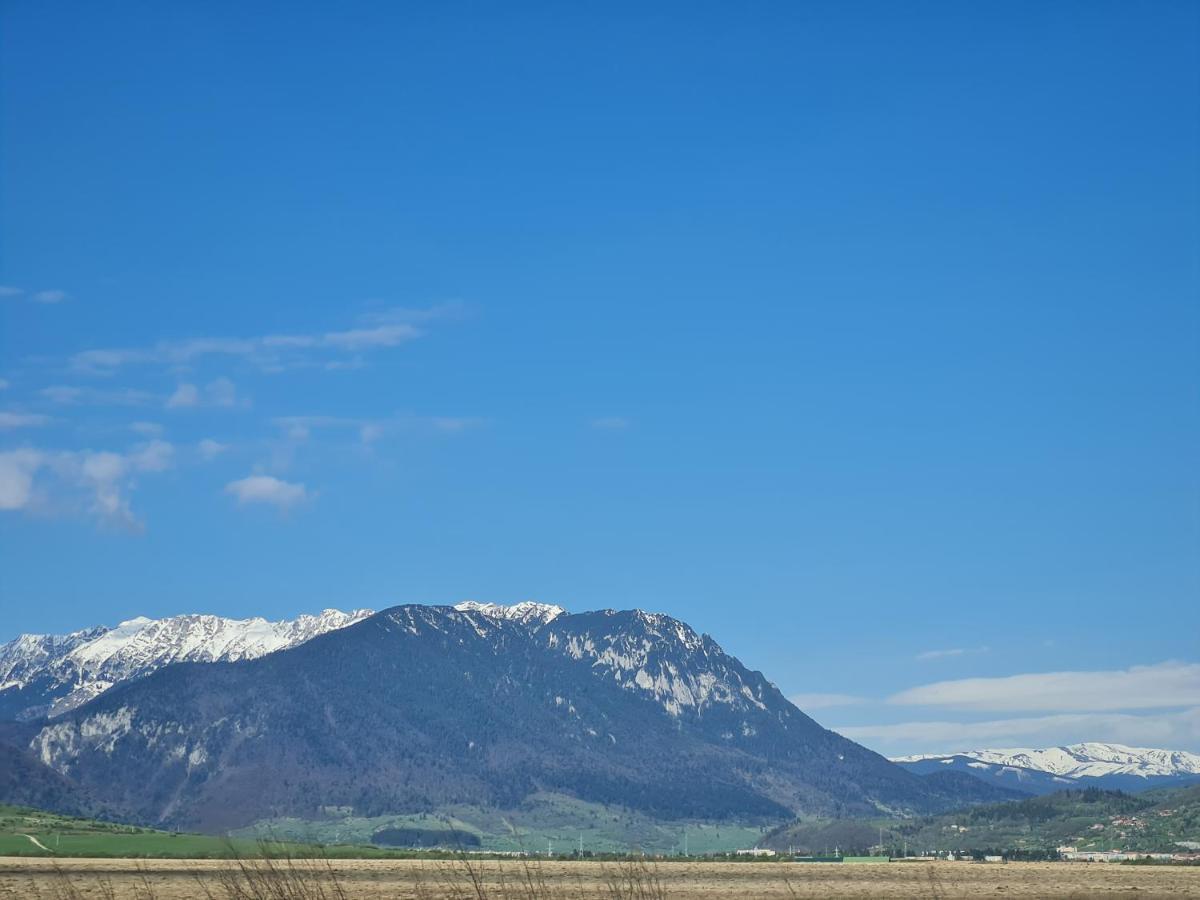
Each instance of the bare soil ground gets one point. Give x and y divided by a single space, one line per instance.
67 879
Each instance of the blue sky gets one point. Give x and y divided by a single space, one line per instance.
864 337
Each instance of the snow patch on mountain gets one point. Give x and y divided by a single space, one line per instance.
526 612
68 670
658 656
1085 760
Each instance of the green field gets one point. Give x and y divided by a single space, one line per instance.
1155 821
543 821
546 821
67 836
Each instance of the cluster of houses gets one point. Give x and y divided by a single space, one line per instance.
1074 854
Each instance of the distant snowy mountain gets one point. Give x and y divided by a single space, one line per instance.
1075 765
1087 760
51 674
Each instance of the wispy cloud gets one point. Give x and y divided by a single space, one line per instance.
223 392
4 384
610 423
185 395
806 702
955 651
268 490
1171 730
1168 684
452 424
271 352
301 428
108 476
48 296
9 420
220 392
210 449
147 429
97 483
352 339
156 456
17 469
407 315
73 395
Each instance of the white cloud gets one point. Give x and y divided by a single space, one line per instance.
108 476
61 393
352 339
155 456
955 651
455 424
611 423
300 428
1168 684
22 420
453 309
85 481
48 296
220 392
805 702
103 472
70 395
147 429
272 352
1177 730
4 384
210 449
267 489
17 468
185 395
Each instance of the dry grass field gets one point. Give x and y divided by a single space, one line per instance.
68 879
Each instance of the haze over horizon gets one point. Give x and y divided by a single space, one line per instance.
867 344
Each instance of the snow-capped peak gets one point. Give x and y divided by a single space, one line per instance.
69 670
526 612
1089 759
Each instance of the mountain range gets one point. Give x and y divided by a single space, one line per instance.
1044 771
51 674
418 708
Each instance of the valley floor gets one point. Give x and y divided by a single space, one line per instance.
67 879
